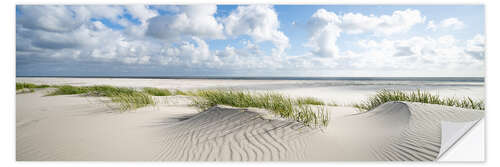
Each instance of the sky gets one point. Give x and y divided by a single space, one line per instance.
250 40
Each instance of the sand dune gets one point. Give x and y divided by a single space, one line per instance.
233 134
396 131
400 130
75 128
72 128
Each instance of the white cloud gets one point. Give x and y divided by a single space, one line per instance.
54 18
141 12
476 46
180 40
449 23
188 53
399 21
85 12
259 22
453 23
194 20
445 54
87 40
326 27
431 26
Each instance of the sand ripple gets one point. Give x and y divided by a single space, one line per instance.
404 131
223 134
394 131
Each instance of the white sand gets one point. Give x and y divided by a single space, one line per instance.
77 128
70 128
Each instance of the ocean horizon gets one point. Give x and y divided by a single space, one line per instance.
450 79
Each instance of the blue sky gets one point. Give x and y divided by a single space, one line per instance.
255 40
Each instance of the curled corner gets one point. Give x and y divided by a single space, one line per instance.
451 132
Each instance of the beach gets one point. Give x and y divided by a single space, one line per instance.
87 128
340 91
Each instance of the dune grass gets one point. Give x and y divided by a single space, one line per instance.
384 96
309 100
279 104
158 91
132 100
127 98
29 86
167 92
184 93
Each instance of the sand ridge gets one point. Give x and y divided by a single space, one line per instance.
224 134
76 128
398 131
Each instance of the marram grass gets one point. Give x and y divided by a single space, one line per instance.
384 96
309 111
157 91
133 100
127 98
284 106
184 93
29 87
309 100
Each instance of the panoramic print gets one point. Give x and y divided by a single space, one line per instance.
247 82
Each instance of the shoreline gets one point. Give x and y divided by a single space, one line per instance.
450 79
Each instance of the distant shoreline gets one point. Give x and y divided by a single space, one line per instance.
452 79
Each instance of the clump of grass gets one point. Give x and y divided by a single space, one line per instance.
180 92
384 96
132 100
127 98
157 91
29 87
68 90
279 104
309 100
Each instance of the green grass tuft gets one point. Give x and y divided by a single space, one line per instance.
309 100
157 92
68 90
384 96
179 92
281 105
127 98
132 100
30 86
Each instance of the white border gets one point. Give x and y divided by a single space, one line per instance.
7 70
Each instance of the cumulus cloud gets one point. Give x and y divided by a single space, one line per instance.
188 53
193 20
180 39
324 30
55 18
85 12
259 22
78 38
449 23
475 46
418 53
325 27
399 21
141 12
